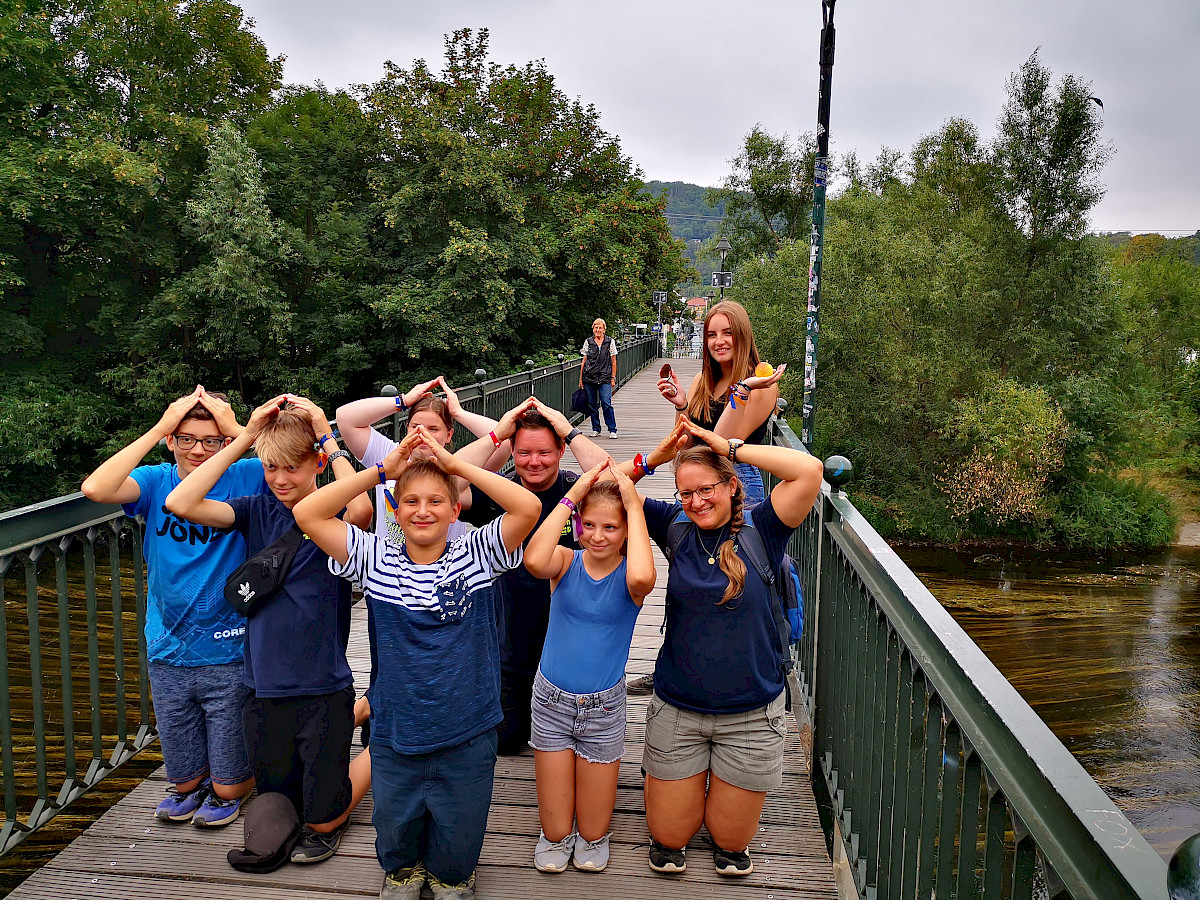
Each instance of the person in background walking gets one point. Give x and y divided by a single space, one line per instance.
598 375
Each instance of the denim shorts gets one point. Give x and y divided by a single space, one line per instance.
752 484
743 749
199 714
593 725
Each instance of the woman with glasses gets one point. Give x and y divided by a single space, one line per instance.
726 396
715 725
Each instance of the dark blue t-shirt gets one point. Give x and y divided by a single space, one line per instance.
717 658
295 644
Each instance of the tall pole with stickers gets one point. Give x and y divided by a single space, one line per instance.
816 253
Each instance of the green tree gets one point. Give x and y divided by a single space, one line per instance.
768 197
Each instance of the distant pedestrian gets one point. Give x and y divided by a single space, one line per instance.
598 375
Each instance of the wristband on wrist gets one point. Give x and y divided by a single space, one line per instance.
496 442
400 404
738 391
576 524
338 454
642 461
571 435
326 436
387 495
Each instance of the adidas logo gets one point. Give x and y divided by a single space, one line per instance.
245 592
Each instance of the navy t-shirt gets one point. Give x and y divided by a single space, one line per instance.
717 658
523 600
439 671
295 644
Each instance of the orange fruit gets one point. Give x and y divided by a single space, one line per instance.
763 370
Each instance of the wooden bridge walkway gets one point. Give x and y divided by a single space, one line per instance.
127 853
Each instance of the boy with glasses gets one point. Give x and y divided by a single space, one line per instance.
193 637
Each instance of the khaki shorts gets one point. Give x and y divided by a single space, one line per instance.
743 749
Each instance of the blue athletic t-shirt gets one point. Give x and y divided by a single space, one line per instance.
188 622
591 626
295 644
718 658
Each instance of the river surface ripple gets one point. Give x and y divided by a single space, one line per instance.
1106 652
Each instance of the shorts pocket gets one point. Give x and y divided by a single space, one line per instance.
661 721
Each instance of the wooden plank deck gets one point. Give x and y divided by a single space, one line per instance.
128 853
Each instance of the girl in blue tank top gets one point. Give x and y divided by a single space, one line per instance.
579 693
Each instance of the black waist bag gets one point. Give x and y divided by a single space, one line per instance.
260 577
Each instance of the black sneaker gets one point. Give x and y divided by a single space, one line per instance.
734 863
315 847
664 859
642 684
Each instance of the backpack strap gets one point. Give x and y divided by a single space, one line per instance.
757 553
681 526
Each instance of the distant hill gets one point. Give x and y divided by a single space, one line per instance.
689 216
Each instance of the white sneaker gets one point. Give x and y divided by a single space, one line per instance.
553 856
613 435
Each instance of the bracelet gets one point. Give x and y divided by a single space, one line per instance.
576 523
338 454
326 436
736 391
642 461
400 404
496 442
387 495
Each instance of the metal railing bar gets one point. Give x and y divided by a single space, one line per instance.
1065 810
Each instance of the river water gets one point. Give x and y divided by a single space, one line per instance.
1106 652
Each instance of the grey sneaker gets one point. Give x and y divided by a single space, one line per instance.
643 684
591 856
443 891
404 884
553 856
315 846
734 863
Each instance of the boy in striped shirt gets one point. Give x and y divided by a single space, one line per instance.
436 701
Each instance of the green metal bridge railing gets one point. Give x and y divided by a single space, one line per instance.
72 593
942 781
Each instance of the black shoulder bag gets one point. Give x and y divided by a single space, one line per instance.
260 577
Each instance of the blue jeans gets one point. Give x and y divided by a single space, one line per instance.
433 806
752 483
600 395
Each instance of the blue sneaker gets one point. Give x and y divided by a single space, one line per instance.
215 812
181 807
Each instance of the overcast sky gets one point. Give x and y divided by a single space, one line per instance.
680 83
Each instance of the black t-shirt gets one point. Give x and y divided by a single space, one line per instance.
523 602
716 407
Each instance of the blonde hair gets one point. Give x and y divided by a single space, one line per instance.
420 468
286 440
745 357
731 564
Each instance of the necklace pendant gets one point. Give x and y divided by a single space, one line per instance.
711 561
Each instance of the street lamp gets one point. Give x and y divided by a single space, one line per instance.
723 247
711 298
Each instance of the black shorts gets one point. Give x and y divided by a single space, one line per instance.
300 747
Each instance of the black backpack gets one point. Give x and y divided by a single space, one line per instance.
783 585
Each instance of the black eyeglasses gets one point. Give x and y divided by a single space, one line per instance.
187 442
704 492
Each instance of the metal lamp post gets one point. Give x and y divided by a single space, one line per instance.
723 247
816 253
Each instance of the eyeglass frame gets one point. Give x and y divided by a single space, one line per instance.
187 442
712 489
